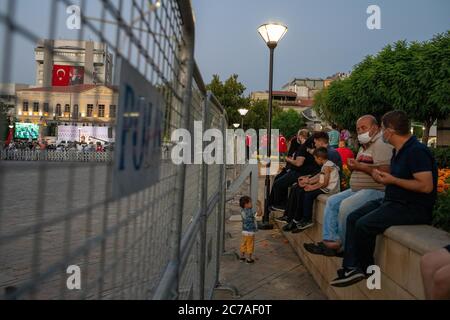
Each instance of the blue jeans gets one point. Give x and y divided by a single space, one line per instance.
339 206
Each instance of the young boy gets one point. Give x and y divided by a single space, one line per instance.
249 228
326 182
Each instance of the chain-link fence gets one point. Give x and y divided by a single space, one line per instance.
59 220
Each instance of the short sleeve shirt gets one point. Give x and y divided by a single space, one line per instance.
377 154
414 157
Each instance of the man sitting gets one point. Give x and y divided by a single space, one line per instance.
411 192
321 140
326 182
299 164
374 154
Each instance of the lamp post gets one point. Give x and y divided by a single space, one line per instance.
243 112
236 125
271 33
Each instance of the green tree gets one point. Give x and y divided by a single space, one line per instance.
258 115
288 122
231 95
413 77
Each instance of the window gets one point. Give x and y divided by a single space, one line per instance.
101 110
112 111
90 110
25 106
67 108
36 107
46 108
75 111
58 110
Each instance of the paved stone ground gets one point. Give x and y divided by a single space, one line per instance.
278 274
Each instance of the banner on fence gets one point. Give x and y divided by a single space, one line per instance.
139 133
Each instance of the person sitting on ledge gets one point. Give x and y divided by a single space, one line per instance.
373 154
299 164
435 267
411 192
318 140
326 182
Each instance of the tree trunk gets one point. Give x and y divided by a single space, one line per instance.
426 133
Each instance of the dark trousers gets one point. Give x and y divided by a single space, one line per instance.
301 203
279 193
372 219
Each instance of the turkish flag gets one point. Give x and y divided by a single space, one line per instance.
61 75
10 137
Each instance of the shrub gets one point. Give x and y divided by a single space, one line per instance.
442 156
441 214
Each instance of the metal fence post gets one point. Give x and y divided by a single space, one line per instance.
204 205
188 66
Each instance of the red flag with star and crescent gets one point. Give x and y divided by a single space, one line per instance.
64 76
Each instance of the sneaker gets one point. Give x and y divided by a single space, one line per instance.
277 208
348 277
304 224
242 259
250 261
283 219
290 226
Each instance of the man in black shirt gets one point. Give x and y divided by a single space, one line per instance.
289 174
411 191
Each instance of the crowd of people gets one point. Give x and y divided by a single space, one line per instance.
36 145
393 182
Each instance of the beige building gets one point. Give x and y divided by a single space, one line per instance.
77 105
93 57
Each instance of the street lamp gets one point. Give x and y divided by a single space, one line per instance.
271 33
243 112
236 125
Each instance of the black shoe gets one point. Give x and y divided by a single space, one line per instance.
290 226
283 219
305 224
277 208
250 261
320 249
242 259
348 277
296 229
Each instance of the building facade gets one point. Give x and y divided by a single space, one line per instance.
305 88
81 105
71 62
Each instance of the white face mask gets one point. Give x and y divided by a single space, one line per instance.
364 138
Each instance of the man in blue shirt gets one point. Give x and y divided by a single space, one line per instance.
411 192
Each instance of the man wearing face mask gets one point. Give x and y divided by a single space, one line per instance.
288 174
411 191
374 154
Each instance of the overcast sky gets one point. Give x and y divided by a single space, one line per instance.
324 37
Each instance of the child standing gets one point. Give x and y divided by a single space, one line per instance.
249 228
326 182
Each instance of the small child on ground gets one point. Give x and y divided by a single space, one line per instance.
249 228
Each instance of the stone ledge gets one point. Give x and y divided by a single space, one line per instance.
398 254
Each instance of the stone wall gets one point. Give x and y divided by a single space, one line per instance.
398 254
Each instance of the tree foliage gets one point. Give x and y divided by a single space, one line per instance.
413 77
288 122
231 95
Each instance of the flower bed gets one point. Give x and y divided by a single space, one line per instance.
441 214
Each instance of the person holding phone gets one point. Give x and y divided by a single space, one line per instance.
373 154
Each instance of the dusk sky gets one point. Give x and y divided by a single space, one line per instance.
324 37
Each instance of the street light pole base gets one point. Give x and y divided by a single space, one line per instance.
265 226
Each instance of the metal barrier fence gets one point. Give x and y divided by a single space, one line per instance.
162 242
56 156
